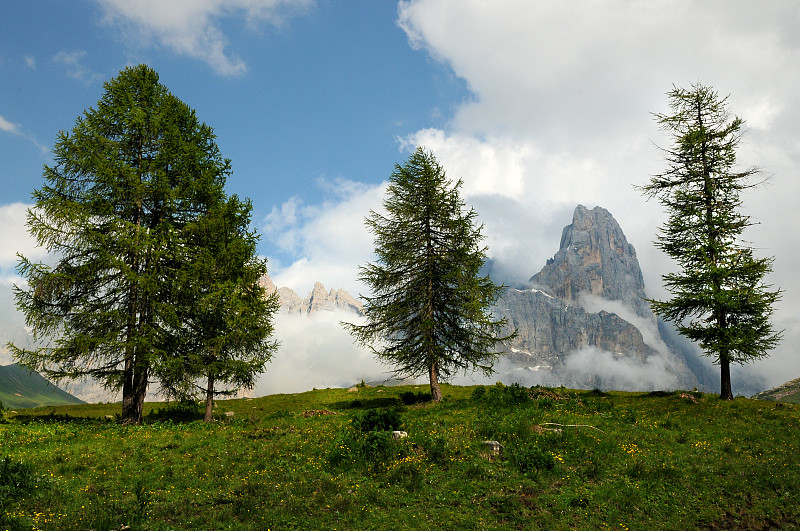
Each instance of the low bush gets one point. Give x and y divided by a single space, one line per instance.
16 479
358 451
500 395
181 411
381 419
529 458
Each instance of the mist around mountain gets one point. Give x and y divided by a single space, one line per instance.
584 321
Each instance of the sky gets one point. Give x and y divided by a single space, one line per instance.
537 106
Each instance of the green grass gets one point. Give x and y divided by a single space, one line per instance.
571 460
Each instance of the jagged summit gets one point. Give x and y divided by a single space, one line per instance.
584 322
318 299
595 258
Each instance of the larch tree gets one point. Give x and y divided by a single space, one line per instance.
127 182
719 297
429 308
224 310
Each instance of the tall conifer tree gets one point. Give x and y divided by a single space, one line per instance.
429 312
127 181
719 298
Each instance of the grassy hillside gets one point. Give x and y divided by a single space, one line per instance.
21 388
788 393
323 460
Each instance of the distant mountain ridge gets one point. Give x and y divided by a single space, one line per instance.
21 388
788 392
318 299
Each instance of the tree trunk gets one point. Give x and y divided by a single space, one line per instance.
725 391
436 392
133 403
209 399
128 416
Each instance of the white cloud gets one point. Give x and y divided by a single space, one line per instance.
16 239
15 129
191 27
30 61
329 240
8 127
316 351
73 62
561 115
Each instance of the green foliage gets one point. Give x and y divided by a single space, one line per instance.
719 297
381 419
369 451
429 311
223 305
16 479
133 185
179 411
500 395
528 458
410 397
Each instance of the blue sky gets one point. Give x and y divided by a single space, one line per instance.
322 96
538 106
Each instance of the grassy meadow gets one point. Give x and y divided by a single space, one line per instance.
325 459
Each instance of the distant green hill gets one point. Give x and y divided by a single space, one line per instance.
788 392
21 388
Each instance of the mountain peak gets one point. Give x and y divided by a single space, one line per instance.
318 299
594 258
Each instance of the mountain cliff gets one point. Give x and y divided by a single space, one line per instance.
584 320
595 257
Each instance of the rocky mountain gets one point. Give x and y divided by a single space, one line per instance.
595 257
318 299
584 321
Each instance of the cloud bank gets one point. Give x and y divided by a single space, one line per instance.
317 352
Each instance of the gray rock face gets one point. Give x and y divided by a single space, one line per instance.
318 299
554 322
549 329
595 258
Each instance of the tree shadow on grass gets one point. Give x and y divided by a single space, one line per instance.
368 403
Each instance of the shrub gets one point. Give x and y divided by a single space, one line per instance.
528 458
381 419
181 411
437 448
500 395
372 451
410 397
16 478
